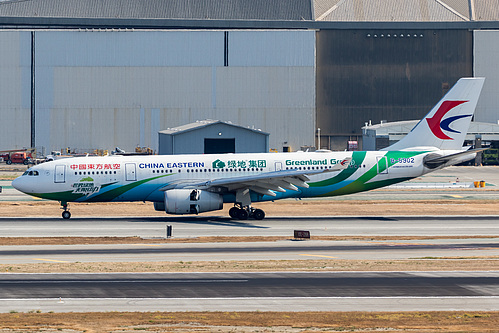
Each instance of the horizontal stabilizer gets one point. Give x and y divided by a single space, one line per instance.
433 161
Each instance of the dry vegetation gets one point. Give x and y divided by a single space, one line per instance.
252 322
334 265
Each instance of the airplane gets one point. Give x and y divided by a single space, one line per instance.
192 184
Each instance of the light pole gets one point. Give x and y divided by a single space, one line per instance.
318 138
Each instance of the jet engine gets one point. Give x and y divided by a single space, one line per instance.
186 201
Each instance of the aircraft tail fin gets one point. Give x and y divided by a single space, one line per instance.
446 125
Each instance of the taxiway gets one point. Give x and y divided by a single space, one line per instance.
332 291
189 226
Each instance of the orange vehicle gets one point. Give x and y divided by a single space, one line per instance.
20 157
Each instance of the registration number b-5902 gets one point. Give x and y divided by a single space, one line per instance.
402 160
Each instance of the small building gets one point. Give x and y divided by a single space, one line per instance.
212 137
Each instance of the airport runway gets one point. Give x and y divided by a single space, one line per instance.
190 226
333 291
355 291
284 291
288 249
240 251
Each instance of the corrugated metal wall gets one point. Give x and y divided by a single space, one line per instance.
15 60
486 53
373 75
106 89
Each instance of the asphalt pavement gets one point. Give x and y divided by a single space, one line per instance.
332 291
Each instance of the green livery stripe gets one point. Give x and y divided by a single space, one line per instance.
69 196
116 192
383 183
361 184
358 158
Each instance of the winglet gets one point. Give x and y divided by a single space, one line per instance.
446 125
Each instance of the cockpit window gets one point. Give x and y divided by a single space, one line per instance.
31 173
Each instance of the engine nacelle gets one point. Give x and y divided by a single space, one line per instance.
191 201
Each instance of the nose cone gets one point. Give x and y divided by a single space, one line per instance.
20 184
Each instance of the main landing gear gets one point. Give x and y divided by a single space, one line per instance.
65 214
243 213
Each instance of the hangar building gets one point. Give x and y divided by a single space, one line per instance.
212 137
101 74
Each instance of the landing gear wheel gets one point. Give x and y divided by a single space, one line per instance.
258 214
243 214
234 212
65 214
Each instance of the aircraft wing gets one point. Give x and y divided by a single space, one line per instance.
264 183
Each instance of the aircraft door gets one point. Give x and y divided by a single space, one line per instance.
130 172
278 166
382 164
60 174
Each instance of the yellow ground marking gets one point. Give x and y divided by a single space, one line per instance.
50 260
419 244
456 196
316 255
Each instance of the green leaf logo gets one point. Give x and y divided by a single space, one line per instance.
218 164
88 179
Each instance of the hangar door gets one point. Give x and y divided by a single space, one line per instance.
219 146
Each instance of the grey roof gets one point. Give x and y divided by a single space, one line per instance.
322 6
244 14
460 6
394 11
205 123
171 9
486 10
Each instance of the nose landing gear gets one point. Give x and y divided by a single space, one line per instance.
243 213
65 214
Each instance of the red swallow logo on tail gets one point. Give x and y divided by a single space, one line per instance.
436 123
